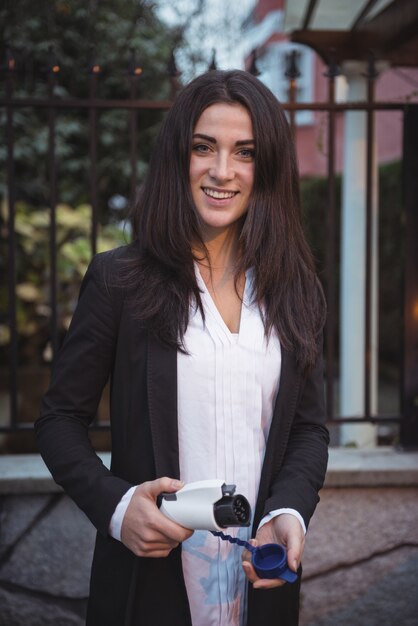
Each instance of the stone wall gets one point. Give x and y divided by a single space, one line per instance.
360 563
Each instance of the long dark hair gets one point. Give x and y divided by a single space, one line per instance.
166 223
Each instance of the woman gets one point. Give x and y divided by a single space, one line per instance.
209 326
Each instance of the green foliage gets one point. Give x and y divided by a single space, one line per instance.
391 266
314 199
72 27
73 250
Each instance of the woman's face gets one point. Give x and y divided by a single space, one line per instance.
222 166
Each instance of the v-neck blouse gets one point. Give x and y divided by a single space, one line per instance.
226 386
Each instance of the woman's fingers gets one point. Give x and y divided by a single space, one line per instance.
145 530
286 530
260 583
153 488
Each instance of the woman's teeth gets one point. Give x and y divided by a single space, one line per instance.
219 195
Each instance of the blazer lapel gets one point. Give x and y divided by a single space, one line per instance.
162 403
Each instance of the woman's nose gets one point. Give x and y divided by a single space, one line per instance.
222 168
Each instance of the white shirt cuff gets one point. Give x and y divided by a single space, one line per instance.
115 526
277 512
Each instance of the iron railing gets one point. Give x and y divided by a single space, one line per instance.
407 418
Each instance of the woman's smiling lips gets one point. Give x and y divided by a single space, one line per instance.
219 194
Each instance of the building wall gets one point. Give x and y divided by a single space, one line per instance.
393 84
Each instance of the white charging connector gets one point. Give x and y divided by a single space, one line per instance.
207 505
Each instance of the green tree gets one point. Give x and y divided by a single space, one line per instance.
83 33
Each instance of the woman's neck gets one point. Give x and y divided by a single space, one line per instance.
221 252
218 269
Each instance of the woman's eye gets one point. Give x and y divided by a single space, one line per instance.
200 147
247 153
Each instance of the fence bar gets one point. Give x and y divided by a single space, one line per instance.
93 158
133 148
292 101
372 419
52 176
173 74
12 247
163 105
330 251
409 399
292 73
369 283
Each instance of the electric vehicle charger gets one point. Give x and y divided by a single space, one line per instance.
207 505
213 505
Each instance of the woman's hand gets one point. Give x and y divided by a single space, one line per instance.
286 530
145 530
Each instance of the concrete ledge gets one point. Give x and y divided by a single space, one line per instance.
348 467
372 467
27 473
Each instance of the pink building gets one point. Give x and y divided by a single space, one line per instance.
265 32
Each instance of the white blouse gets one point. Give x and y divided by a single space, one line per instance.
226 388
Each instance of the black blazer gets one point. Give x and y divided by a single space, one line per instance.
105 339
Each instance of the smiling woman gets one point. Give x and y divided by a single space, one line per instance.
222 167
209 325
221 182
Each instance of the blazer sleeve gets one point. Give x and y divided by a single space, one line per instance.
305 460
81 371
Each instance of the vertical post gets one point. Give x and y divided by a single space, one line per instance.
94 70
53 69
213 65
355 190
173 74
11 272
292 73
372 274
134 73
409 400
330 251
292 113
253 69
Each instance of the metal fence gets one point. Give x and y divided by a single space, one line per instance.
407 418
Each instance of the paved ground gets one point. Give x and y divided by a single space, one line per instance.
361 559
360 562
362 597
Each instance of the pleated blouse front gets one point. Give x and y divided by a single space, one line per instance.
227 386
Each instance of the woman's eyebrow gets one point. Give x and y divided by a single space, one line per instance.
241 142
205 137
244 142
